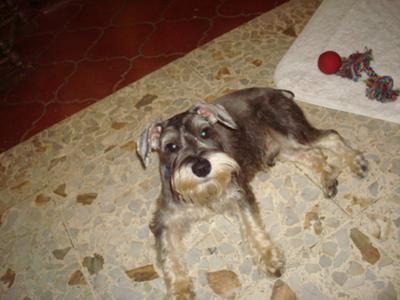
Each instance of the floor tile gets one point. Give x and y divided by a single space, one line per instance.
40 84
120 41
31 46
237 7
336 269
92 236
37 257
381 222
180 9
134 12
295 210
174 37
141 66
221 25
54 113
56 17
95 14
93 80
71 46
15 127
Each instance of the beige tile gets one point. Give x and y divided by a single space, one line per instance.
335 269
37 259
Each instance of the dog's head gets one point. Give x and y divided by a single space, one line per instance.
192 157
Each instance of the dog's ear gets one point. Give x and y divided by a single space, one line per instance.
215 113
148 141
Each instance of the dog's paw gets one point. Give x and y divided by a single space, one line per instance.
182 290
359 165
273 261
329 180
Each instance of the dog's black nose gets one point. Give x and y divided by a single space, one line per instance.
201 167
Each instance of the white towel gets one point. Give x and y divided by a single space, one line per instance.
345 26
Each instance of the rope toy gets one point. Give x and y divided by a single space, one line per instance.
378 87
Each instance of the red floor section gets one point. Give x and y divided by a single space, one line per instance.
84 50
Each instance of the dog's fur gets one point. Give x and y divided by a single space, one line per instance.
210 153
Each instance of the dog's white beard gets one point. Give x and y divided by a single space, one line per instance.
202 190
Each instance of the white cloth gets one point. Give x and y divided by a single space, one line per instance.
345 26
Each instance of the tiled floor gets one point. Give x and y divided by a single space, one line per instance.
84 50
75 202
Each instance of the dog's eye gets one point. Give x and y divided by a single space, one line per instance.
172 147
205 133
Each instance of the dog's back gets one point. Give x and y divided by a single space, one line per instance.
270 108
268 120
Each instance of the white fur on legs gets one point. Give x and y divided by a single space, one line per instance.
265 253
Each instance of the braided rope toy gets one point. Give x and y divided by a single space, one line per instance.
378 87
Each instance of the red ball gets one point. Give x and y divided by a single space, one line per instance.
329 62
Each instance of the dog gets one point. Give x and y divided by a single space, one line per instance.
210 153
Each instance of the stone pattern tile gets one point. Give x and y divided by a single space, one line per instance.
38 260
78 188
335 269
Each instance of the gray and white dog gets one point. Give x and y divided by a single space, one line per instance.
210 153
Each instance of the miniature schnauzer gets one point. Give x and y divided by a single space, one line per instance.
210 153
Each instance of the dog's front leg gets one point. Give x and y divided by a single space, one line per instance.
169 246
265 252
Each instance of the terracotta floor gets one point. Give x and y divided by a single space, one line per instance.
82 51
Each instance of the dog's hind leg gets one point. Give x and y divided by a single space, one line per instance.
326 156
313 159
292 129
333 142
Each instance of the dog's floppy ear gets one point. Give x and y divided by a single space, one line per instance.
215 113
148 141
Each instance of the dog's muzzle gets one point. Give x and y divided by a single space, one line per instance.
201 179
